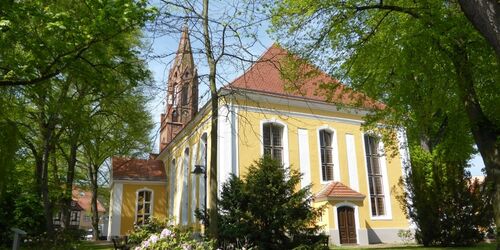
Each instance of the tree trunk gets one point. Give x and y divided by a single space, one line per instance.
485 17
70 176
47 205
93 173
486 134
213 220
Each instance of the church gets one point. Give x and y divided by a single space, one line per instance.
261 113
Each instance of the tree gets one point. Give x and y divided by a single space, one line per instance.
41 40
225 35
265 209
485 16
59 59
423 59
448 208
120 128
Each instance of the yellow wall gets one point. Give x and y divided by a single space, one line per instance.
190 138
249 143
249 150
129 203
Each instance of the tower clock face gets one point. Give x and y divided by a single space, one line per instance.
185 112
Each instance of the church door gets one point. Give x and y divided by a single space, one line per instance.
347 228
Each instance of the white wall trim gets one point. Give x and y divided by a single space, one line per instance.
304 157
136 182
286 160
352 164
171 187
192 185
301 115
356 217
260 97
404 156
335 152
151 214
115 218
184 202
226 141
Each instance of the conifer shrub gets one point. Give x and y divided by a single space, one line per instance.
266 209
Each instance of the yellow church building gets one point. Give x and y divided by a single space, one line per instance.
317 134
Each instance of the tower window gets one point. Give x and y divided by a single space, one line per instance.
184 95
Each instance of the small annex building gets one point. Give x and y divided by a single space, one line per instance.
315 132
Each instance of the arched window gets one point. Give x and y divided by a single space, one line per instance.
172 188
326 154
375 175
144 206
185 95
273 140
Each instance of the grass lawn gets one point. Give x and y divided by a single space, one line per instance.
101 245
482 246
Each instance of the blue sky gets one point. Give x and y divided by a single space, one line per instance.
162 53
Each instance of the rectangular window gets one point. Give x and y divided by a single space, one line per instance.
143 207
375 180
273 145
326 153
74 218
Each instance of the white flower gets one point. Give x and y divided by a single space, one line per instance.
153 239
165 233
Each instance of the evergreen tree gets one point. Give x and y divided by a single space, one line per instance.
265 209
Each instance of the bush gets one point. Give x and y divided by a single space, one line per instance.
265 210
157 234
448 208
67 239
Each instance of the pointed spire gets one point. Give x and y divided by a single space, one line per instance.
184 55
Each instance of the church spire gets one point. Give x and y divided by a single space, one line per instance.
182 93
184 56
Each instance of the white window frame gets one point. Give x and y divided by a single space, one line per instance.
383 169
151 207
335 152
286 160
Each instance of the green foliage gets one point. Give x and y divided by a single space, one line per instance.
159 234
436 74
448 208
265 209
41 39
62 240
77 69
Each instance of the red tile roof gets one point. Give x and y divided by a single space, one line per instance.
274 74
337 191
138 169
84 200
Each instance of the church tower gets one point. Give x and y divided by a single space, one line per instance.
182 92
